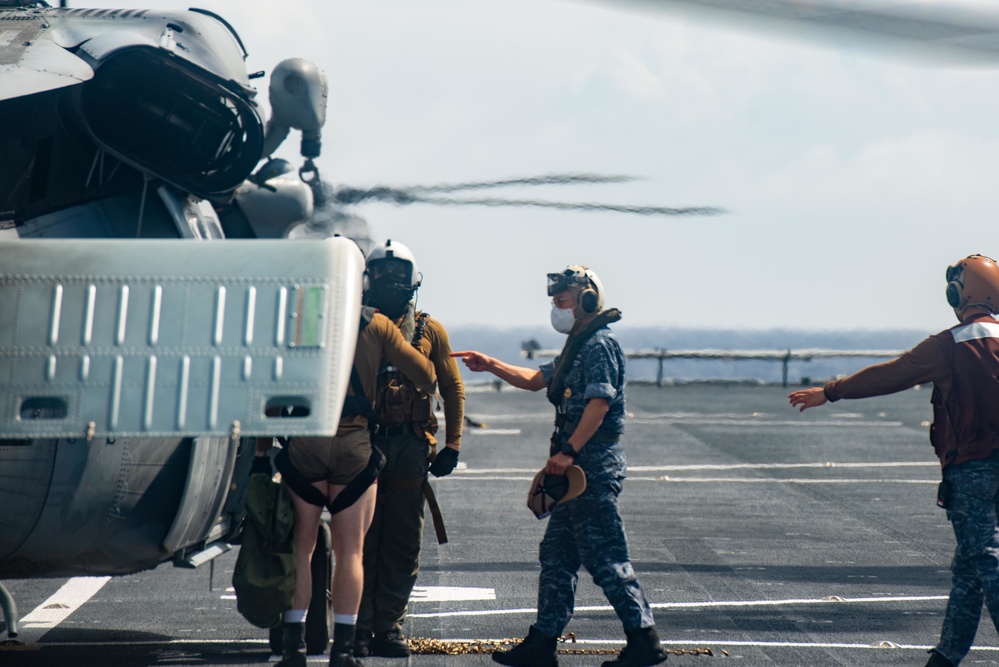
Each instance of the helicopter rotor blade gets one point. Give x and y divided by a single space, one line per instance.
570 206
345 195
547 179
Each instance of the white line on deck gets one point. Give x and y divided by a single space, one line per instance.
73 594
702 605
721 466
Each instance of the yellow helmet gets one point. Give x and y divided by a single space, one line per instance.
973 282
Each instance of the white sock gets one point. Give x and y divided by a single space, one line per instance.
295 615
348 619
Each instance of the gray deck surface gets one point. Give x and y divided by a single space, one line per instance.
767 536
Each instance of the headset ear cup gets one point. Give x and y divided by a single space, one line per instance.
953 295
588 301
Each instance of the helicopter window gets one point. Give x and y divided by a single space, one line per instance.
44 407
167 117
288 406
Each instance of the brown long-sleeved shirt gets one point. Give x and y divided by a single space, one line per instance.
963 365
927 362
381 337
436 346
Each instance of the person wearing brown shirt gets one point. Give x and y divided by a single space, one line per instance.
963 365
330 464
407 435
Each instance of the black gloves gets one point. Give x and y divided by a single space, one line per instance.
447 459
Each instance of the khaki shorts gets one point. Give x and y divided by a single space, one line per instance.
337 460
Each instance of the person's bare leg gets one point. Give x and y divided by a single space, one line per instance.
349 527
306 527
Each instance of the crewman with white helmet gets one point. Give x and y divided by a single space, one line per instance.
586 384
407 435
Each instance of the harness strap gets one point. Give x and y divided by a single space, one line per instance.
296 480
435 513
357 486
350 494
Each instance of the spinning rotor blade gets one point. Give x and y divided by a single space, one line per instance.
573 206
415 195
966 29
549 179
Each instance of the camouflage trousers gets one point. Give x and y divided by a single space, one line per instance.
588 531
973 497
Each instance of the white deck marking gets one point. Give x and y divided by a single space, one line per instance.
786 466
527 474
73 594
725 466
701 605
496 431
450 594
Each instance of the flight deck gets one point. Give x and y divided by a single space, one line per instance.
760 535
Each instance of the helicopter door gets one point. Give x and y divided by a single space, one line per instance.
162 338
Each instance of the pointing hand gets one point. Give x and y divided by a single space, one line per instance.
807 398
475 361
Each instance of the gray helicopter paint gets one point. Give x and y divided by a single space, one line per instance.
106 507
174 338
48 64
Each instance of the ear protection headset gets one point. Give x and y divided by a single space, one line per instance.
583 282
588 299
954 275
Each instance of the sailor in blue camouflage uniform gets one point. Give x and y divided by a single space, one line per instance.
586 384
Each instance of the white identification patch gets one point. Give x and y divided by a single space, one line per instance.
450 594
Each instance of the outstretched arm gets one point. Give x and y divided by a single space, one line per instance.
807 398
518 376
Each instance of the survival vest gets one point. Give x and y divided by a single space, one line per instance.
397 399
966 421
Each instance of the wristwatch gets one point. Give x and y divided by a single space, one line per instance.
567 449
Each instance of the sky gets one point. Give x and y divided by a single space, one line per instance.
852 176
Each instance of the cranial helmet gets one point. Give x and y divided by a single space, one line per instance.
584 285
396 260
392 278
973 282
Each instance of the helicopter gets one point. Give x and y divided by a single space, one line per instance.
139 363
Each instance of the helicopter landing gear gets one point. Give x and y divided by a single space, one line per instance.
9 614
319 621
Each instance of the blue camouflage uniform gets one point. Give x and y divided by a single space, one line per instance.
588 530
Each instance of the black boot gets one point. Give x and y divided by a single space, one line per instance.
362 642
344 660
938 660
390 644
535 650
642 650
294 645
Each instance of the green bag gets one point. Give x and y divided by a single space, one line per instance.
264 577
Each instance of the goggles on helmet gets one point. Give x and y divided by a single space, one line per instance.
395 270
560 282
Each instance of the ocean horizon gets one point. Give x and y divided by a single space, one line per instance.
506 345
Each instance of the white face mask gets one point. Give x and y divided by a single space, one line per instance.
563 319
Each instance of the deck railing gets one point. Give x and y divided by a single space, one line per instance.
532 350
